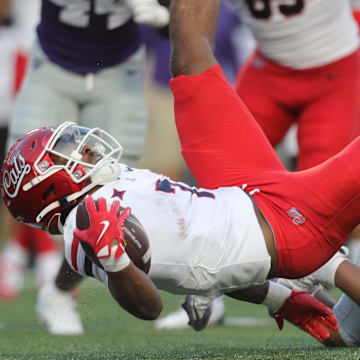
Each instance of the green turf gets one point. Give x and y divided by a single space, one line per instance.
112 334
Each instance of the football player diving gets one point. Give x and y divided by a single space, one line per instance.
251 220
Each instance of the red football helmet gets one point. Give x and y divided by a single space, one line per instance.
45 173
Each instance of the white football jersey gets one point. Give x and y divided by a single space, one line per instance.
200 240
301 34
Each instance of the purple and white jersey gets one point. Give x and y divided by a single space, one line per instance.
86 36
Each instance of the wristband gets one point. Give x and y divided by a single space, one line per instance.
110 264
276 296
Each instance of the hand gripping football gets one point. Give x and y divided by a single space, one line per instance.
136 242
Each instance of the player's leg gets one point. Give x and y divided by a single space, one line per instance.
14 258
221 141
118 105
330 120
15 255
262 85
44 98
56 305
347 311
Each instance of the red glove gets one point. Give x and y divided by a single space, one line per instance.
105 227
309 314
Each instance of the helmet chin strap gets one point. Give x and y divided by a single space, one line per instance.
106 174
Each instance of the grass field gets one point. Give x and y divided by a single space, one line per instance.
112 334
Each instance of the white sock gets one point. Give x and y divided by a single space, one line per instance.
276 296
326 274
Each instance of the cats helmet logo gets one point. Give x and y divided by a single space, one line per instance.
13 177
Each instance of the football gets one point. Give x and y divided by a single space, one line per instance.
137 244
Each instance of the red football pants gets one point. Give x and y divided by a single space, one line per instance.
324 102
311 212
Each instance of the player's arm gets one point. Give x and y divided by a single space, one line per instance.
67 279
192 35
298 307
135 292
103 242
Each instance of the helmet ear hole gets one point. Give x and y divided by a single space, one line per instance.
49 192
